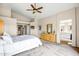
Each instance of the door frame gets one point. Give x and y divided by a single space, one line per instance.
74 43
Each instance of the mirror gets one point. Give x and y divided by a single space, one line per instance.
49 28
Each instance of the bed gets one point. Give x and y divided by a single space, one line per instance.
20 44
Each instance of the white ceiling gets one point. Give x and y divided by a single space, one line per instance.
48 8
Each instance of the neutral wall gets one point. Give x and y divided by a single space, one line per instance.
19 17
77 15
35 30
5 10
10 25
49 20
65 15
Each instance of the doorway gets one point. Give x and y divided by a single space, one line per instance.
23 29
66 31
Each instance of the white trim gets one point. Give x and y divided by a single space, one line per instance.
23 22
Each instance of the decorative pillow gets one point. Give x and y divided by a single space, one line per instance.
7 38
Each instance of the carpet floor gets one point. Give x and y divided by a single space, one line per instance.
50 49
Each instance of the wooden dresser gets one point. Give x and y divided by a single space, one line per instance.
48 37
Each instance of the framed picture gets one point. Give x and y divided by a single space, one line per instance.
49 28
39 27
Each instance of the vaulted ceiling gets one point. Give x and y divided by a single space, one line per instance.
48 8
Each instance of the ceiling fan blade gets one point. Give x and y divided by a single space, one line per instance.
40 8
39 11
33 6
29 9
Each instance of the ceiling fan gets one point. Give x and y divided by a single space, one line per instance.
35 8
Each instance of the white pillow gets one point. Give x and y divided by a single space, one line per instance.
7 38
6 34
1 41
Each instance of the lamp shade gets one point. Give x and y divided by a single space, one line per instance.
1 27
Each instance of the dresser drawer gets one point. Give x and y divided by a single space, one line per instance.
48 37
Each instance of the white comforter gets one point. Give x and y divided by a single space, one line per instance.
21 43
